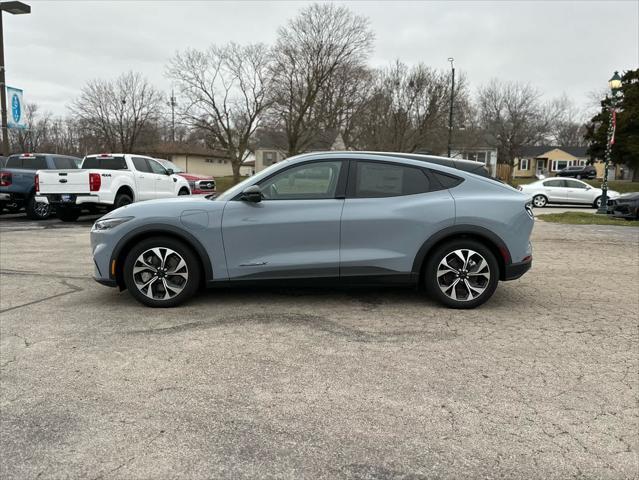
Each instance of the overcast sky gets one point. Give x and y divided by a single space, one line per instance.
570 47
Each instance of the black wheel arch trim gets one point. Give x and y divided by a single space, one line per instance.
166 230
504 258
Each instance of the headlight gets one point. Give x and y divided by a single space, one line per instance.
109 223
192 184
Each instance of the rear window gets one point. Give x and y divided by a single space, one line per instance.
38 162
63 163
105 163
446 181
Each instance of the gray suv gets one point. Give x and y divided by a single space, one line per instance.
330 217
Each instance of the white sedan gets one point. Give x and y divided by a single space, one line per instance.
564 190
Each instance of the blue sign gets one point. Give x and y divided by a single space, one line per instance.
16 118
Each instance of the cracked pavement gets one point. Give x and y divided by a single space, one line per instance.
540 383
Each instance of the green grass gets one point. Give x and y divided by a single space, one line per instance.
585 218
621 186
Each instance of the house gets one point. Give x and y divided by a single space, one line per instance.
271 146
548 160
195 158
485 155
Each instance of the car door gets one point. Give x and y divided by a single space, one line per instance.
144 180
555 190
164 183
294 231
578 192
391 209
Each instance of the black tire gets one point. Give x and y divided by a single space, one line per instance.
37 210
122 199
539 201
67 214
596 203
183 191
190 285
486 285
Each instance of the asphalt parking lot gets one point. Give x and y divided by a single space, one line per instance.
540 383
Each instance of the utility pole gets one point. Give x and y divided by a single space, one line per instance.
173 104
450 110
15 8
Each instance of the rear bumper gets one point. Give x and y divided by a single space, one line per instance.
516 270
5 197
73 199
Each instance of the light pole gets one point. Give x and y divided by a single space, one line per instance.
15 8
450 110
615 89
173 103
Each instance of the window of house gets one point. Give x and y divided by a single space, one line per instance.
316 180
375 180
524 164
560 164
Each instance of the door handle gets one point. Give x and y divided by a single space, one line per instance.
141 176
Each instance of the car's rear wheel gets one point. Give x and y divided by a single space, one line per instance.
121 200
161 272
37 210
67 214
540 201
461 274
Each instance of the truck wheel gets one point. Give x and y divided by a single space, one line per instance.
121 200
67 214
37 210
161 272
461 274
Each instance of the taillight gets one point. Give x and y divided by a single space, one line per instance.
37 183
95 181
5 179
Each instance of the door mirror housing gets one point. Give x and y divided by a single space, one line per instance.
169 171
252 194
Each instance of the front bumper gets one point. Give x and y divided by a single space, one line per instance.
5 197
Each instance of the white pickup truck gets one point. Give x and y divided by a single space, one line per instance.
106 181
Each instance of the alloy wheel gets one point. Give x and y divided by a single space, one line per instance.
463 275
42 209
160 273
539 201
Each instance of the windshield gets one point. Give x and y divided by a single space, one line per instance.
166 164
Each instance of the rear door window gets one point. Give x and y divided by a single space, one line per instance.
376 179
141 165
105 163
554 183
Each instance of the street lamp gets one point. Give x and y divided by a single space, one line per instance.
615 88
450 109
15 8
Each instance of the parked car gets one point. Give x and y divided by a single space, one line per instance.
18 181
199 184
566 191
625 206
107 181
336 217
578 171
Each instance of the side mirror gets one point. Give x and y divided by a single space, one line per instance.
169 171
252 194
588 187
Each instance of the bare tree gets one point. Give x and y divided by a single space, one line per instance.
315 49
34 136
568 125
407 110
513 116
117 112
224 91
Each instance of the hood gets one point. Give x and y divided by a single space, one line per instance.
170 207
629 196
194 177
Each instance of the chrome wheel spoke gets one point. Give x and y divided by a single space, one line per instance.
160 273
467 282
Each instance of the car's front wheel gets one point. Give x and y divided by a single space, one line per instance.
597 202
540 201
161 272
461 274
